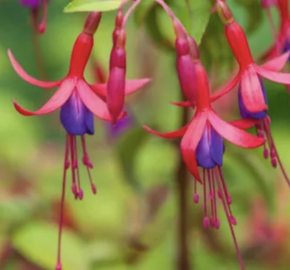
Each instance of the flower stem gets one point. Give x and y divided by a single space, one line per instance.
182 185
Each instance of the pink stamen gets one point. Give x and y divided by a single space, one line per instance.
88 164
80 191
205 220
275 158
196 196
227 196
74 185
66 166
230 223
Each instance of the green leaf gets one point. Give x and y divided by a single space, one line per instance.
92 5
38 243
127 151
194 19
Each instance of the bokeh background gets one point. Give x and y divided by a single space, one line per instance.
132 222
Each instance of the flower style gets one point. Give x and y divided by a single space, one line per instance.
78 104
202 146
35 9
249 72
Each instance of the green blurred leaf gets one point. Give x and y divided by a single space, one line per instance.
128 149
38 243
92 5
196 18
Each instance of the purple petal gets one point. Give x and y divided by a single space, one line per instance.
209 152
122 126
75 117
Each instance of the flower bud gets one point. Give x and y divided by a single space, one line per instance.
185 69
224 12
117 78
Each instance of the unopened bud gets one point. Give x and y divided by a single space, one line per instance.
92 22
224 12
116 82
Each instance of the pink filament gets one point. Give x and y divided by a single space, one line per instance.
229 218
66 166
273 150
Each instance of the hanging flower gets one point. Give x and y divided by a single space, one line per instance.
249 73
78 104
202 146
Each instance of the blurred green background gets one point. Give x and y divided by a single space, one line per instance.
132 222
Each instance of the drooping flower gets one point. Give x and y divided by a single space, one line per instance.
249 72
78 104
263 130
35 6
202 146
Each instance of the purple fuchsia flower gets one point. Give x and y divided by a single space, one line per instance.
78 104
35 6
249 72
202 145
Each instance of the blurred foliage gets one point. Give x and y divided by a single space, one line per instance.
131 223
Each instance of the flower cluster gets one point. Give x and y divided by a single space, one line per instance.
203 138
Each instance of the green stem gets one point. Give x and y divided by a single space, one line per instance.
183 262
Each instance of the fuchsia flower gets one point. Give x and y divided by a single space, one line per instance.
78 104
252 94
250 72
202 146
35 6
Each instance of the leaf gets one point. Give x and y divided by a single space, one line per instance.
92 5
200 12
38 243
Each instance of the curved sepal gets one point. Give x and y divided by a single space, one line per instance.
55 102
244 123
190 141
21 72
171 135
283 78
277 63
233 134
131 87
181 103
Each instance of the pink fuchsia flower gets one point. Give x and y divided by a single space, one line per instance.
35 6
249 72
202 146
78 103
